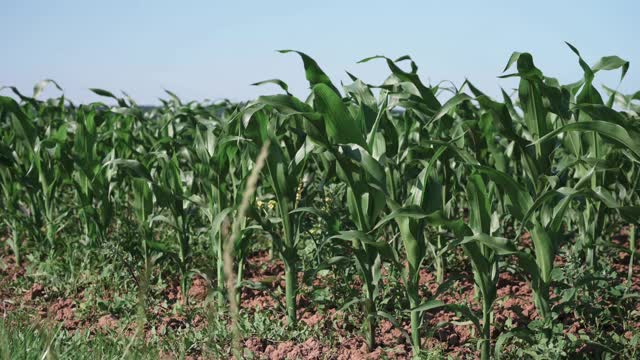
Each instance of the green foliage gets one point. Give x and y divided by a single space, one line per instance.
372 180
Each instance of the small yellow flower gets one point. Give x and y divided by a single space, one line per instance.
260 204
272 204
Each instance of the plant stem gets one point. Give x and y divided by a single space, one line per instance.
15 244
591 257
415 327
184 253
51 233
370 324
632 247
485 343
239 279
541 302
439 265
219 244
183 284
291 281
220 269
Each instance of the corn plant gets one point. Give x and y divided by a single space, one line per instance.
12 193
216 152
589 106
366 200
172 190
285 171
424 195
143 206
91 179
44 163
425 125
331 125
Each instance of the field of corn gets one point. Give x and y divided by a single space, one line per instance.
400 220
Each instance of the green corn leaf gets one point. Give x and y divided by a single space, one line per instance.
40 86
314 73
134 167
500 245
341 127
612 63
479 205
462 309
372 169
544 247
109 94
512 59
396 324
520 198
218 220
277 82
426 94
451 104
24 126
612 131
412 212
380 245
162 247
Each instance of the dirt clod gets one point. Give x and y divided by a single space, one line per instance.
37 290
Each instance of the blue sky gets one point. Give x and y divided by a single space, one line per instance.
216 49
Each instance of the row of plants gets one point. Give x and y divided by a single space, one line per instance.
377 176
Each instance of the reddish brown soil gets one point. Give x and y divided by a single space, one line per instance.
514 302
107 322
199 289
64 311
37 290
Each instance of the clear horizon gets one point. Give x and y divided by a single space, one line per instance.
213 50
